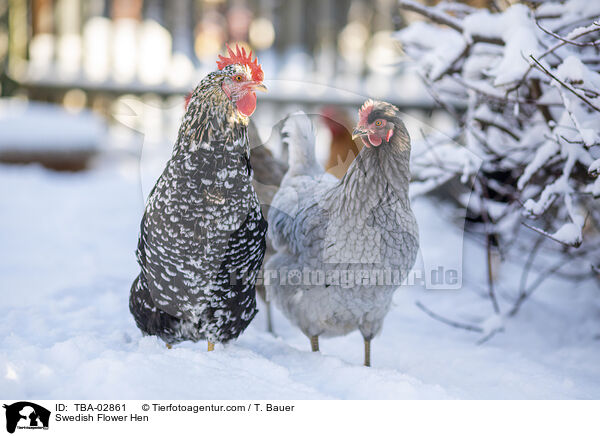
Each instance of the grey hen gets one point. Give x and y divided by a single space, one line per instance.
343 246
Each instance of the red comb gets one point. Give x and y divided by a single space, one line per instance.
187 100
364 111
240 57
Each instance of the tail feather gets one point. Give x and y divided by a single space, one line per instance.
299 136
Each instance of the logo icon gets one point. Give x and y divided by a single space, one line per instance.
26 415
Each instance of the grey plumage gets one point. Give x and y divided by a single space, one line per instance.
322 225
268 173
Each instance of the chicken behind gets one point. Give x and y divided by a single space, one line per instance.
326 230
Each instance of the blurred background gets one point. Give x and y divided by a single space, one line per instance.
87 66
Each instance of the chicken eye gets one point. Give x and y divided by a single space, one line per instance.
238 78
378 123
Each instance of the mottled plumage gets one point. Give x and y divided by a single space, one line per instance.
202 237
361 225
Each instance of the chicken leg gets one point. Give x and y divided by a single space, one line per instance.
314 343
211 346
367 352
269 319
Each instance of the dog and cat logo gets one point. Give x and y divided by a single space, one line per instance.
26 415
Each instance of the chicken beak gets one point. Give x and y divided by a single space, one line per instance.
257 86
358 132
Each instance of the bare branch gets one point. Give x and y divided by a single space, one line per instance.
548 235
460 325
569 41
543 55
499 97
452 64
584 99
432 14
576 22
456 8
448 107
490 335
529 263
540 279
525 274
486 221
505 129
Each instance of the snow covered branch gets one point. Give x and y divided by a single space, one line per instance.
441 17
534 122
529 79
563 84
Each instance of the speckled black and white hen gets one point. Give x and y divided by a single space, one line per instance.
343 246
202 236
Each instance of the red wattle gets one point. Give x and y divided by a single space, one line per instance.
374 140
247 104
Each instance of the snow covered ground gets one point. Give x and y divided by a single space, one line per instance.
67 261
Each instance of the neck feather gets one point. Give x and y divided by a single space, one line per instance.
210 118
379 172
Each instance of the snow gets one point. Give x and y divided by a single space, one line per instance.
594 167
579 31
547 197
594 188
574 71
493 323
35 126
68 260
482 22
542 155
571 69
568 13
569 233
443 45
515 27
